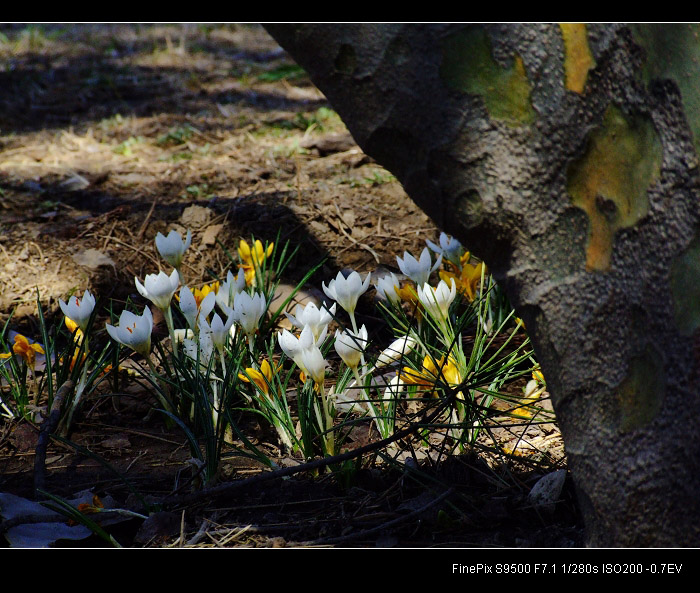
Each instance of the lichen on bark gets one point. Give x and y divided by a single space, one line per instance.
641 393
610 180
468 66
578 59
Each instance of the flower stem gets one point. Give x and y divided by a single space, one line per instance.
78 391
216 407
251 346
164 402
168 314
354 323
328 433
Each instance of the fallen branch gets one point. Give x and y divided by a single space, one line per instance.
226 488
47 428
384 526
146 220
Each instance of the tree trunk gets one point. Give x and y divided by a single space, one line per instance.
565 156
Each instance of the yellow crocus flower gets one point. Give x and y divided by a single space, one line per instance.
466 280
538 376
432 374
25 350
531 394
261 378
199 294
86 508
97 505
253 258
74 359
74 330
407 293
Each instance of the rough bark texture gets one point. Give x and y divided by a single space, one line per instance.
566 156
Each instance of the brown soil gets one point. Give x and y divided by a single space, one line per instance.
110 134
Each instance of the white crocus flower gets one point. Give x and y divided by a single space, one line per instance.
350 346
190 310
183 334
347 402
230 288
248 310
449 248
346 291
387 287
437 301
171 248
486 323
311 316
188 306
205 345
228 312
220 331
396 351
304 352
290 345
394 388
313 364
79 310
134 331
293 346
418 270
159 288
207 305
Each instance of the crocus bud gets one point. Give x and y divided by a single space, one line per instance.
79 310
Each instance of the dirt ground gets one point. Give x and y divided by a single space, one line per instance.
110 134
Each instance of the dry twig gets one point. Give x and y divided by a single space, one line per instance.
47 428
226 488
146 220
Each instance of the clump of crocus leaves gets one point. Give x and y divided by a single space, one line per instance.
312 371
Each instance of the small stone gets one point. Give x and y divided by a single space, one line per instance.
93 258
117 441
209 237
24 438
546 492
277 542
158 525
74 183
195 216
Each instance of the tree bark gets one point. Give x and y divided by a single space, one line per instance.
566 157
